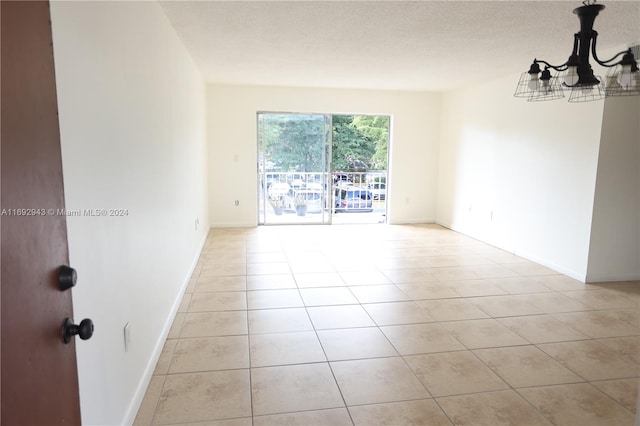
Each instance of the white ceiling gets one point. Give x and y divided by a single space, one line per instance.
394 45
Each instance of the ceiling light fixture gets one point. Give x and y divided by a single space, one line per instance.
576 74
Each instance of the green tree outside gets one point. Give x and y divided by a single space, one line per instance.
295 142
376 129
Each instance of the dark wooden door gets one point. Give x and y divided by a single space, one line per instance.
39 373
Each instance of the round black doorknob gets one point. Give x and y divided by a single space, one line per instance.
84 330
67 277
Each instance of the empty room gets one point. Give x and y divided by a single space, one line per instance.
237 213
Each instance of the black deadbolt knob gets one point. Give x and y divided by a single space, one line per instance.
84 330
67 277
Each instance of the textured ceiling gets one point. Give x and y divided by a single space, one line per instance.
395 45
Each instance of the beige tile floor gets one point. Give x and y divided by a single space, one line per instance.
395 325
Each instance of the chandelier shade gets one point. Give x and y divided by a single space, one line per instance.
623 80
543 87
586 93
576 76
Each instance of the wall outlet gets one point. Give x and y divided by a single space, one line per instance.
237 203
197 222
127 337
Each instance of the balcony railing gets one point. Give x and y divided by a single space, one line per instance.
340 191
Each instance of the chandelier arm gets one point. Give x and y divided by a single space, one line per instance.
561 67
607 62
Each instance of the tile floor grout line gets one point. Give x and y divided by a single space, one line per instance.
548 418
333 375
157 401
246 295
610 397
399 355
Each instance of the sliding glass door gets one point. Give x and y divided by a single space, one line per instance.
294 152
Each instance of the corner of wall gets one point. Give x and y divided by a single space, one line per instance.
508 180
614 244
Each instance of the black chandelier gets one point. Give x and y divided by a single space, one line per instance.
576 75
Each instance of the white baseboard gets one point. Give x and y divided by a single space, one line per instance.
233 225
560 269
611 278
541 261
138 396
410 221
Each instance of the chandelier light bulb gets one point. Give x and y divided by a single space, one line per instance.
572 76
625 79
534 82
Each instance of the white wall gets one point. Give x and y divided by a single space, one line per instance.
132 121
614 253
520 175
233 145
